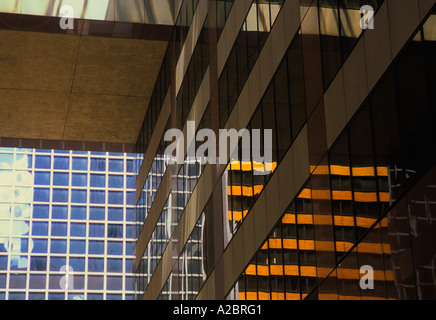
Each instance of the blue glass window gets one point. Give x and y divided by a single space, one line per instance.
41 194
95 296
96 230
17 296
39 228
114 283
38 263
115 197
130 198
129 265
79 180
3 262
42 162
37 281
129 231
116 165
129 283
42 178
129 248
97 197
80 164
98 153
96 247
62 163
96 264
78 196
95 283
115 247
78 213
131 182
98 180
115 265
78 264
37 295
58 246
98 164
58 229
80 152
114 231
130 166
60 195
61 151
59 212
56 296
129 214
78 246
78 229
96 213
61 179
39 246
113 297
115 214
56 263
40 211
116 181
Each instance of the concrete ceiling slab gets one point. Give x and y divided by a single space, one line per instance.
76 88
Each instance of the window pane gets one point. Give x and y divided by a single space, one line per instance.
78 264
114 265
38 263
42 178
77 246
60 195
61 163
78 196
78 213
59 212
116 165
96 213
39 246
96 264
98 164
58 246
80 164
78 229
115 283
58 229
57 262
96 247
79 180
60 179
39 228
115 214
115 247
97 197
115 197
98 180
41 194
114 231
40 211
96 230
116 181
42 162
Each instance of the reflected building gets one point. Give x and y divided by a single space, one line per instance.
66 225
350 183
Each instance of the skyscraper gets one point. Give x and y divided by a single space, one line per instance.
66 225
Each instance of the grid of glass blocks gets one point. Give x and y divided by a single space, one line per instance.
66 225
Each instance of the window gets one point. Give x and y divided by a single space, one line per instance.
98 180
58 246
78 213
78 229
61 179
97 196
116 165
42 178
115 247
39 246
41 194
115 197
95 264
96 247
79 180
114 283
96 213
80 164
78 196
56 263
115 214
60 195
40 211
98 164
38 263
59 212
42 162
114 265
78 264
114 231
62 163
39 228
78 246
96 230
116 181
58 229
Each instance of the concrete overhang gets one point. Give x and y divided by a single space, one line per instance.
84 88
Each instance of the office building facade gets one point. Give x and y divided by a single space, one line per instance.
350 99
66 225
